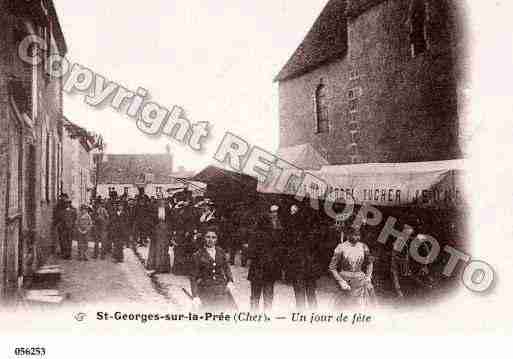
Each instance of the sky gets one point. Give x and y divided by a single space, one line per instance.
216 59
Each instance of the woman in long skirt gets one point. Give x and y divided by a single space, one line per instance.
352 267
211 277
158 256
84 227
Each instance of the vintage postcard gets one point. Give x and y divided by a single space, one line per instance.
325 166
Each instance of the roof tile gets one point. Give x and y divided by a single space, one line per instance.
325 42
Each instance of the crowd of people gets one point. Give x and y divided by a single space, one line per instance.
278 245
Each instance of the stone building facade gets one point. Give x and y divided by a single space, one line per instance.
130 173
30 141
377 81
77 172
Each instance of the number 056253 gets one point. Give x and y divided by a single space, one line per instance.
30 351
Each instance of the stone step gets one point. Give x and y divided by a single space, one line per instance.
44 297
51 266
45 292
49 275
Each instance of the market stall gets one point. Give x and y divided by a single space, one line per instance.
225 187
428 196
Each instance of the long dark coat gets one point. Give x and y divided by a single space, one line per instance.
118 226
304 257
209 278
265 254
145 218
158 255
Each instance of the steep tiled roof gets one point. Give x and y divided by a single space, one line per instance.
358 7
132 168
325 42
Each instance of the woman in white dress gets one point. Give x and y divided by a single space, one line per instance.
352 266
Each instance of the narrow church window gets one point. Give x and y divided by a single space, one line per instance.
321 109
418 41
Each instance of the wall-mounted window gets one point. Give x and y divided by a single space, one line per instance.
321 109
125 191
418 18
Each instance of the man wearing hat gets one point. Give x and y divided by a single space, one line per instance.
69 219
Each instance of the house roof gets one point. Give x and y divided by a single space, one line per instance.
57 29
326 41
131 168
76 132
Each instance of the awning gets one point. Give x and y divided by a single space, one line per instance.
224 185
303 156
423 184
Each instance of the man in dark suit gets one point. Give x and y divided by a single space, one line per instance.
118 224
69 219
304 268
58 217
264 252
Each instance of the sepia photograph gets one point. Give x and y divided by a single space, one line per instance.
317 165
